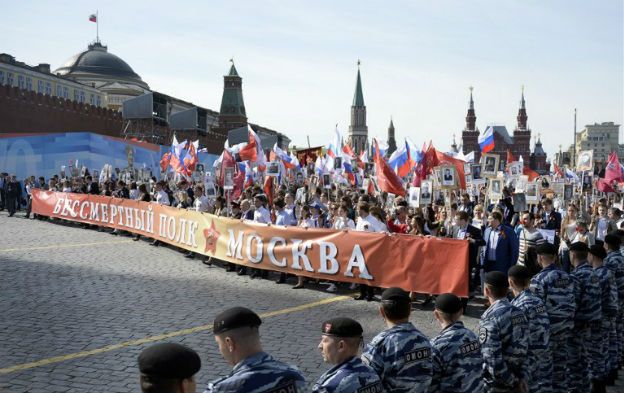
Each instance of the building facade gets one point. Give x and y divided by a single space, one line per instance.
358 130
519 143
106 72
40 80
602 138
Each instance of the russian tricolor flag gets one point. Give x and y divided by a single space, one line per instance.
486 140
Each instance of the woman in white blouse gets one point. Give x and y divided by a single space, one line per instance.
341 220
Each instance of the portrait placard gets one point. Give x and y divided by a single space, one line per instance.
532 192
489 163
519 202
585 161
426 192
414 197
495 191
228 179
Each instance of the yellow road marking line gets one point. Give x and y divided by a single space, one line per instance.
124 344
64 246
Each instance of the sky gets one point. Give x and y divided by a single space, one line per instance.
298 59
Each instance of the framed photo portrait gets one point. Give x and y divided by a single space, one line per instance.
568 192
585 160
448 176
519 202
228 179
426 192
326 181
273 169
490 165
414 197
476 171
496 189
338 163
532 192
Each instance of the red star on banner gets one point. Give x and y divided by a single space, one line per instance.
211 235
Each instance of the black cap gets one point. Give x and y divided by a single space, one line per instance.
598 251
395 294
342 327
448 303
519 272
579 246
497 279
234 318
613 240
169 360
546 249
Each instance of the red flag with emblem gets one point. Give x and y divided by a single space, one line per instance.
613 171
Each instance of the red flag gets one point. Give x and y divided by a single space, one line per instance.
371 188
239 179
93 18
386 178
457 163
558 171
268 189
431 158
530 173
510 157
249 151
164 161
191 159
228 161
604 186
613 171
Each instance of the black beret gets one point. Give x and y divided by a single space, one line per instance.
342 327
235 317
598 251
519 272
497 279
448 303
546 249
579 246
396 294
613 240
169 360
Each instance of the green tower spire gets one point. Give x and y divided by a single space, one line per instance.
358 97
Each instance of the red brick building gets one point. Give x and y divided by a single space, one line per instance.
519 143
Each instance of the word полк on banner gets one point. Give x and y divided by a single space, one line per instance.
414 263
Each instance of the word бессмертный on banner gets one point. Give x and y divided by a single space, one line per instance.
414 263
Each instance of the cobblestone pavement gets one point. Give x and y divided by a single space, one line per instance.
77 302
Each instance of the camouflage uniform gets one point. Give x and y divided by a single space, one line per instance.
260 373
615 262
604 355
503 334
556 289
401 356
588 312
457 362
539 356
351 376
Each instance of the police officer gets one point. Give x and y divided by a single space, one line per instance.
457 363
401 354
236 332
340 343
168 368
588 311
539 364
556 289
503 334
615 262
601 331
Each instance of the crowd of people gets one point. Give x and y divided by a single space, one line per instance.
553 276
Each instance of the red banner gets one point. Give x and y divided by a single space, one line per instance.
414 263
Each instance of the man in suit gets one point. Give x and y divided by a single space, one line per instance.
91 186
501 249
463 230
13 193
466 205
550 219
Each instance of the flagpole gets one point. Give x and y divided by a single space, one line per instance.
97 26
